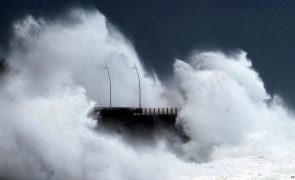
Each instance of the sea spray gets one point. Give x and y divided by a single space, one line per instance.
228 112
51 55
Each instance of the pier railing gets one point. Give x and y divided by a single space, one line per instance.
130 111
155 111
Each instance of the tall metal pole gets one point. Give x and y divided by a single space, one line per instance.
110 84
139 87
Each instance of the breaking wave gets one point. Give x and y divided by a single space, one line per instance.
228 112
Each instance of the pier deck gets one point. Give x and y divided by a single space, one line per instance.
138 122
130 111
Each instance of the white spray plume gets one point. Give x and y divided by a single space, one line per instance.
228 111
52 55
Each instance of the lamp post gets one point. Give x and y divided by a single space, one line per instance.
110 84
139 88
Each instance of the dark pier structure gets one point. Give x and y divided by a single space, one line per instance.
134 113
136 117
139 122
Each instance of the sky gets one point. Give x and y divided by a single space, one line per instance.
163 30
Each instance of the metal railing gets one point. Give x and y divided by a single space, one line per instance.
155 111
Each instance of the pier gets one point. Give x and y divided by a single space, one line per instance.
131 111
138 122
129 116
